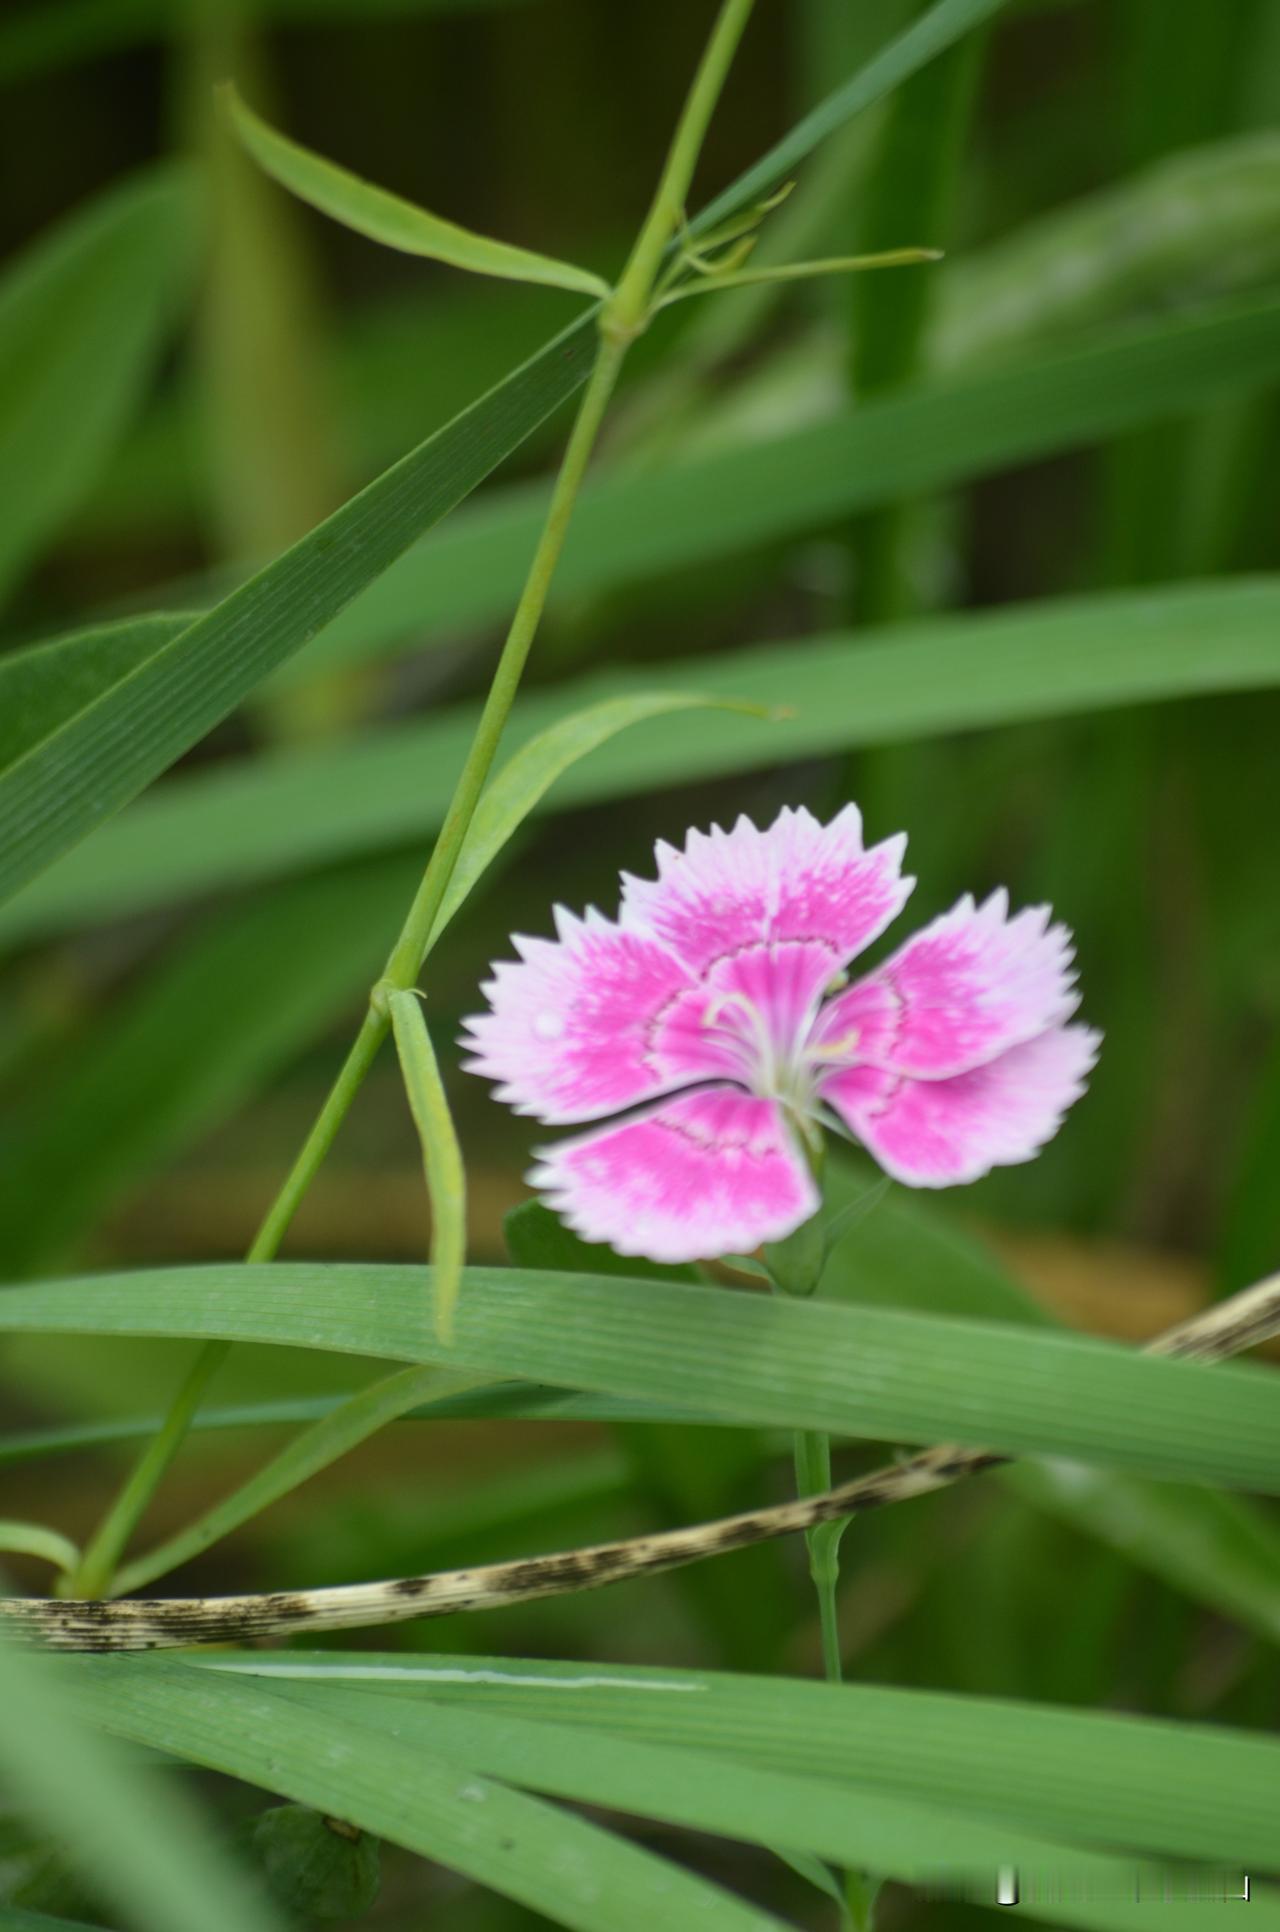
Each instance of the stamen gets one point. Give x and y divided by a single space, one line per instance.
834 1051
758 1037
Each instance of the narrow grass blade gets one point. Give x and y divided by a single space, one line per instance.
34 1539
527 777
332 1437
43 685
84 315
197 1036
441 1155
1195 223
871 1372
916 681
938 28
1182 1790
131 1835
1218 1549
573 1872
908 1839
939 434
384 217
72 777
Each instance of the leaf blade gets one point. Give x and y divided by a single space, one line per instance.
96 761
442 1161
384 217
1194 1790
921 680
131 1835
528 776
868 1372
83 317
575 1872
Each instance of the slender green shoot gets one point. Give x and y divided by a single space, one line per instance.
34 1539
713 279
622 317
442 1163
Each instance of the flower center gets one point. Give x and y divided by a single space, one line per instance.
787 1070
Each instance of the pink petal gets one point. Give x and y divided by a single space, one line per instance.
568 1034
797 880
966 988
937 1133
704 1174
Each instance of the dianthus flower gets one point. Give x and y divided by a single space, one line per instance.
716 1009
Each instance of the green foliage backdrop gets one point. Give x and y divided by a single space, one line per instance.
987 545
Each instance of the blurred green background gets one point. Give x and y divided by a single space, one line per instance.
1100 173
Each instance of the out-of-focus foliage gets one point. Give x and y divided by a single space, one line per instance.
998 538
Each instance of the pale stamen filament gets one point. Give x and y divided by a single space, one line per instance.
834 1052
757 1039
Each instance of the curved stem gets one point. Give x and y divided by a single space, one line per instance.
92 1575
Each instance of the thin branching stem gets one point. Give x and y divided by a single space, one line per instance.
622 318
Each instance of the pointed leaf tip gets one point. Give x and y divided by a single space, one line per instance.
384 217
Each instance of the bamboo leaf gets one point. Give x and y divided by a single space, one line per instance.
83 317
441 1155
915 681
384 217
739 1358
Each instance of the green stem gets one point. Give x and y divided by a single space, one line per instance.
813 1476
359 1417
627 311
410 949
622 317
92 1576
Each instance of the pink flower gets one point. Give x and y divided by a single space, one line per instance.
713 1008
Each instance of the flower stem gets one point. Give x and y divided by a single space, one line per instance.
622 318
813 1476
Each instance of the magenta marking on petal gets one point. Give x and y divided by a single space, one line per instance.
797 880
567 1031
939 1133
969 986
701 1175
